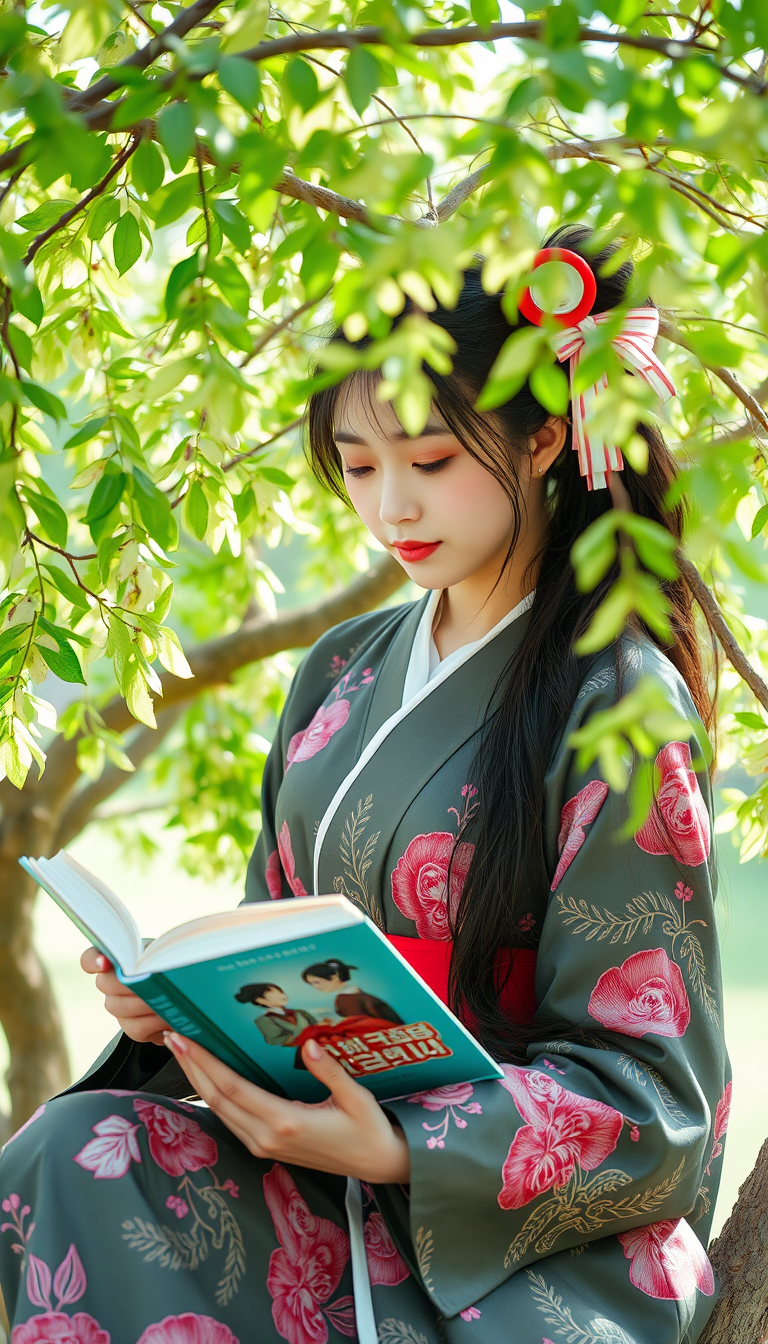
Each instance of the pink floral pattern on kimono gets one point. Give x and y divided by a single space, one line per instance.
562 1131
644 996
176 1143
577 813
668 1260
678 823
326 721
420 881
56 1328
110 1154
722 1116
274 876
188 1328
385 1263
452 1098
307 1268
285 847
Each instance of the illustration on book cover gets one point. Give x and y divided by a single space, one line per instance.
364 1033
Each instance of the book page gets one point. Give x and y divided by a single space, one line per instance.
98 913
259 924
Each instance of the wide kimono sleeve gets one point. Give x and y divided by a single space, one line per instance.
616 1119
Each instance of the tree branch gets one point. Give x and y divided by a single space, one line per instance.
735 655
84 801
213 664
99 114
61 223
670 332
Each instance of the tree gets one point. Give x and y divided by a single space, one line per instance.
189 195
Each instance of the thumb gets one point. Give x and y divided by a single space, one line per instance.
348 1095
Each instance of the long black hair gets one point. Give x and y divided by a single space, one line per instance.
508 875
328 970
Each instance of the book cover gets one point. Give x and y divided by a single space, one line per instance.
348 988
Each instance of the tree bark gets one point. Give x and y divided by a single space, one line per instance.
740 1259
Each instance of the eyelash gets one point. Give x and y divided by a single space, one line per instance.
429 468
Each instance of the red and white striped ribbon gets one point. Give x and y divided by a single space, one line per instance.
634 347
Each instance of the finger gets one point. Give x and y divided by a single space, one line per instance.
248 1129
253 1099
93 961
108 983
348 1095
120 1006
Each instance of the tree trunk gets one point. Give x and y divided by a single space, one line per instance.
29 1015
740 1259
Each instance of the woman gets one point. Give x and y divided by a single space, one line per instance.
335 977
424 765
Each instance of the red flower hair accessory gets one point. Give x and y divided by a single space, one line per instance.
570 309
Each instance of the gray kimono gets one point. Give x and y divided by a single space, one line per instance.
569 1202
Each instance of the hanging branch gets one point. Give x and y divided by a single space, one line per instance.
710 606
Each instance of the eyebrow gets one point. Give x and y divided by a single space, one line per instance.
429 431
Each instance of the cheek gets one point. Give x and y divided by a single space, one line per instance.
473 500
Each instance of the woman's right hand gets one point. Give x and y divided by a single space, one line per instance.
135 1018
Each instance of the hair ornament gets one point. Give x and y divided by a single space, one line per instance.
567 299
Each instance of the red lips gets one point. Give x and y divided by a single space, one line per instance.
411 551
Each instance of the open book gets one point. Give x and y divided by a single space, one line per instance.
254 984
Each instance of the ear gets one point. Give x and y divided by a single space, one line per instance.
546 444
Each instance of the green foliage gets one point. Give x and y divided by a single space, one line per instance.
151 344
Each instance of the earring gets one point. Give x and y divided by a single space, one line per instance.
540 470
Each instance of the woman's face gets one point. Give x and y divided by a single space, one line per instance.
332 986
426 499
273 998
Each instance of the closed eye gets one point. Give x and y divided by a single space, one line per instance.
357 471
430 467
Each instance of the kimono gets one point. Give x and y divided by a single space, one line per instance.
571 1200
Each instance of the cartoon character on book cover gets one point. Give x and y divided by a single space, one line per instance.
278 1024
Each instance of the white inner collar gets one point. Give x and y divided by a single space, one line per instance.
425 661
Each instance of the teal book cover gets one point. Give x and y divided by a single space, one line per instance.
348 989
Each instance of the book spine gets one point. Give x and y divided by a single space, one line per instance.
165 998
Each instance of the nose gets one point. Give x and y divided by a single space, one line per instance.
397 504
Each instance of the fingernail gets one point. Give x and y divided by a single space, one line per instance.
314 1050
102 963
176 1043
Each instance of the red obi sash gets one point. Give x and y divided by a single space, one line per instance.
431 957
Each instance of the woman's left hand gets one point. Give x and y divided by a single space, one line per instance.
348 1134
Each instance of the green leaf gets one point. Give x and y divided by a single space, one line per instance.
139 104
126 242
277 477
44 400
87 431
750 720
362 77
108 492
241 80
561 25
63 661
318 266
105 213
66 586
183 275
301 84
485 12
549 385
30 304
154 509
234 225
525 92
51 515
176 199
147 168
759 521
196 510
176 128
44 216
509 372
232 284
